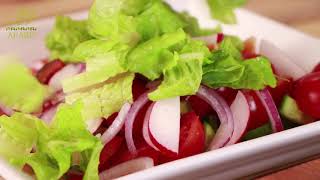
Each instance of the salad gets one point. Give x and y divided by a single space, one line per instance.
137 85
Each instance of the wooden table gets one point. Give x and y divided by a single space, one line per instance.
301 14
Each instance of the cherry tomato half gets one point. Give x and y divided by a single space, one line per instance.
306 92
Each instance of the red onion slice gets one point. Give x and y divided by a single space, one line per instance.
6 110
48 115
94 124
225 130
129 120
66 72
271 109
145 128
116 125
127 168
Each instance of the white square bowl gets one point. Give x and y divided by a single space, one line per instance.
231 162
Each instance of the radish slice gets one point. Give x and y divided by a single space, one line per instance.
271 109
66 72
164 124
225 130
93 125
48 115
145 128
127 168
6 110
212 39
241 113
135 108
9 172
283 64
116 125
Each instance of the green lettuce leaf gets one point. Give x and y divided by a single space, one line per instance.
157 20
66 35
104 101
20 90
228 69
56 144
223 10
184 78
152 57
193 28
113 20
100 66
17 137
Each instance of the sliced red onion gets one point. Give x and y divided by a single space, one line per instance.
116 125
145 128
225 130
48 115
37 65
135 108
282 63
127 168
6 110
66 72
271 109
153 84
94 124
211 39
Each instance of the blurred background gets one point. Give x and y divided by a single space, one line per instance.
301 14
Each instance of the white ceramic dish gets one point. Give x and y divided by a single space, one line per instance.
234 161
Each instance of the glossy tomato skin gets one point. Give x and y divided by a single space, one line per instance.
284 87
317 68
48 70
192 138
109 150
306 91
258 114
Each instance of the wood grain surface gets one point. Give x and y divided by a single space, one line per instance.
303 15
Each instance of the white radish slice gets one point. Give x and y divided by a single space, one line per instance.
116 125
94 124
241 113
48 115
145 128
128 167
9 172
66 72
283 64
164 124
211 39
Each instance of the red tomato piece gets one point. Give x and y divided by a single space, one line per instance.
249 49
258 114
48 70
220 37
192 138
109 150
138 87
317 68
283 88
199 106
74 175
306 91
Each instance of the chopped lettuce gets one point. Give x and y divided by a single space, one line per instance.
20 90
157 20
104 101
109 19
56 144
17 137
66 35
184 78
192 26
227 69
99 68
223 10
152 57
